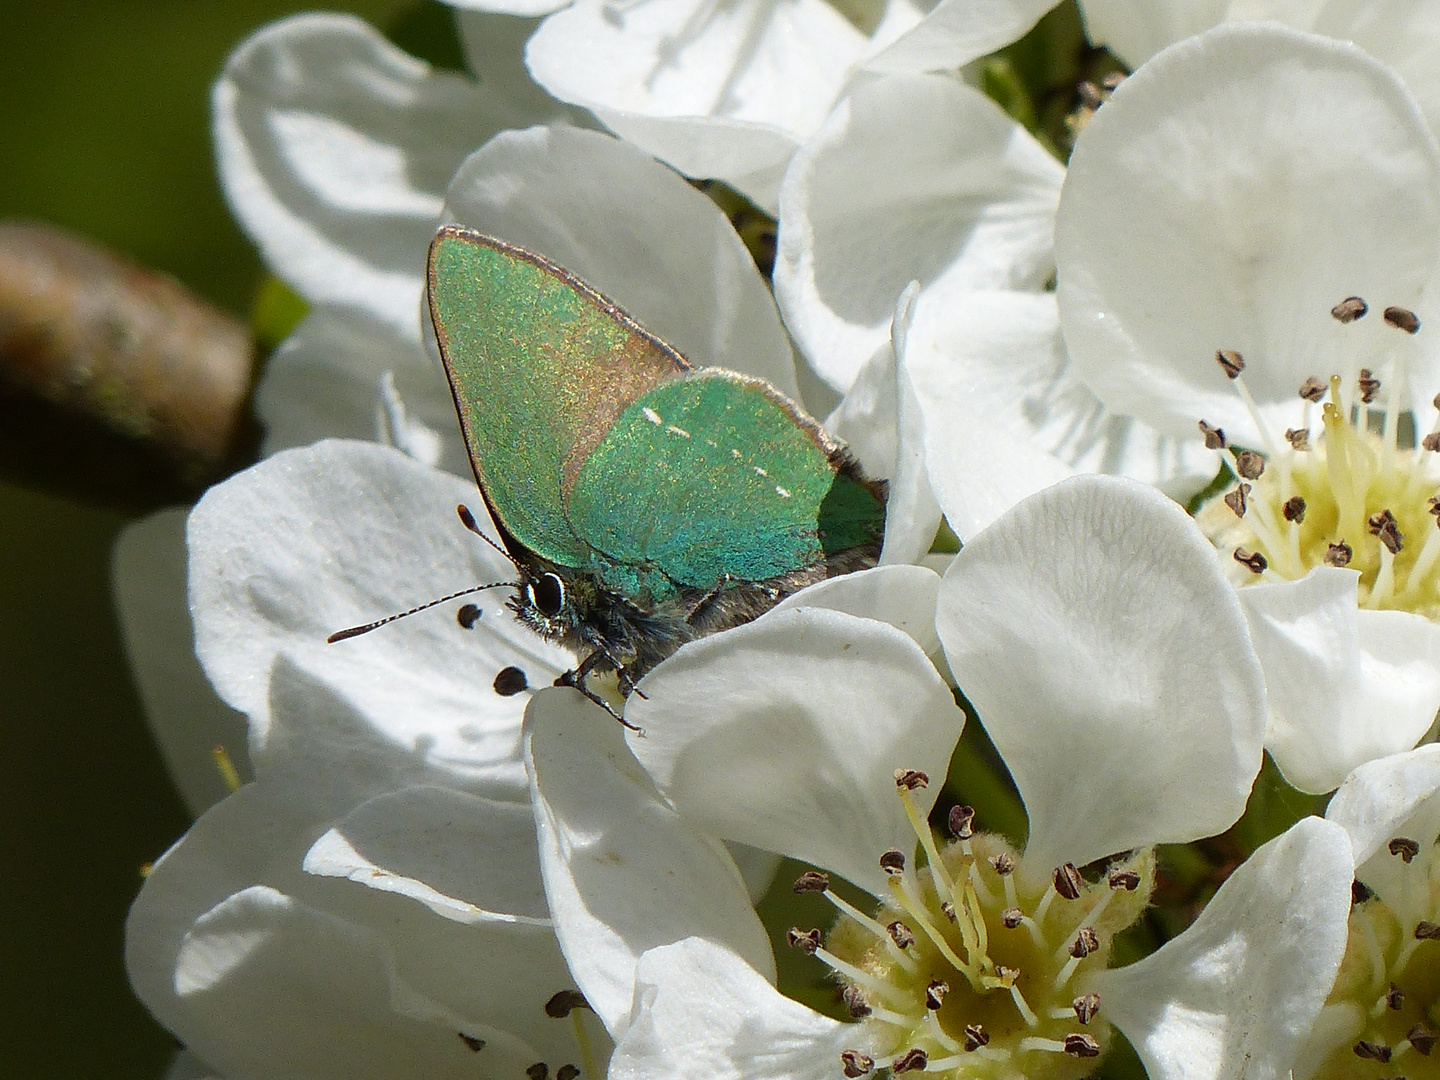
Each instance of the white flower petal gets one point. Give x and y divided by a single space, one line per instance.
623 871
1345 686
786 733
1193 220
958 195
1395 796
186 717
334 149
899 594
1006 414
1239 991
912 514
494 42
1107 656
702 1013
315 540
725 91
265 972
956 32
1135 30
509 7
634 230
465 858
324 382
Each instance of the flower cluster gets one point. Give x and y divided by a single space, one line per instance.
443 866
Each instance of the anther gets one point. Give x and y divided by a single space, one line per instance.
949 910
1081 1045
1422 1039
961 822
1371 1051
1360 892
856 1064
1431 442
1402 319
468 615
538 1071
1006 975
1214 436
1011 917
1350 309
1237 500
807 941
975 1037
1251 560
1369 385
811 881
893 862
1004 863
1231 362
1339 554
855 1002
1068 881
1089 93
1299 438
935 993
1384 526
509 681
1294 509
1312 389
475 1044
1086 1006
566 1072
901 934
1128 880
911 1061
910 779
1434 506
1394 998
1086 942
1427 931
1249 464
560 1005
1404 847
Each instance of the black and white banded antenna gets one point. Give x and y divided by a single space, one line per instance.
468 520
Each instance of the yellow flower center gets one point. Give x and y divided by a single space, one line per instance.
1335 494
1382 1018
968 970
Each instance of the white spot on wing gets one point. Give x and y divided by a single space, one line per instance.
651 415
734 453
781 492
678 431
760 472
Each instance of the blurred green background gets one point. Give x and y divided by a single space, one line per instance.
104 129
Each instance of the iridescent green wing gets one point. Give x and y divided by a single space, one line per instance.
717 475
541 366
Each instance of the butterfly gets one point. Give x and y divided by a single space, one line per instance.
644 502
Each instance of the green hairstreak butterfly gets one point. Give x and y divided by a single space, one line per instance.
643 501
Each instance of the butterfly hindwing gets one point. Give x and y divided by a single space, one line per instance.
716 476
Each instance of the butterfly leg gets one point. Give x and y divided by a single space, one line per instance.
711 595
575 678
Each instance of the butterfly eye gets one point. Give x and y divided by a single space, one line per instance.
548 595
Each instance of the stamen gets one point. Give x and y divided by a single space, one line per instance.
1298 438
1237 500
1350 309
1252 560
1249 464
1294 509
1422 1039
1370 1051
1405 848
1369 386
856 1064
1312 389
1231 362
1402 319
1339 554
1068 882
911 1061
1214 436
1086 1006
